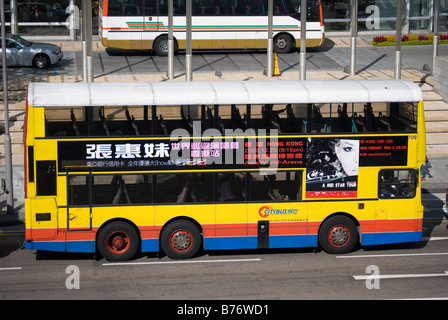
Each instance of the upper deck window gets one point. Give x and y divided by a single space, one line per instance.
286 118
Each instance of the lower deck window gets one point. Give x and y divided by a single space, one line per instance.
171 188
181 188
397 183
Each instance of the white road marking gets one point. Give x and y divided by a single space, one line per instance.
178 262
434 238
12 268
436 298
393 255
401 276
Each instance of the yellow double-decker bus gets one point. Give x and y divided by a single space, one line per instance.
117 168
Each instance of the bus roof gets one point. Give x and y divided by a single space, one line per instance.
221 92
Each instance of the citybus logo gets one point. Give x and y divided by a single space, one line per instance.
266 211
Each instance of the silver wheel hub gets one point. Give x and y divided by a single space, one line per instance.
281 43
339 236
181 241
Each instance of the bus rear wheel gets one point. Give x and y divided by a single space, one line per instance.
338 235
181 239
118 241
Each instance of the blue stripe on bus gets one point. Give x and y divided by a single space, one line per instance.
83 246
58 246
150 245
369 239
293 241
87 246
227 243
289 241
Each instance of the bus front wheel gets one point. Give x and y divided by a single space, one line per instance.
283 43
118 241
160 46
338 235
181 239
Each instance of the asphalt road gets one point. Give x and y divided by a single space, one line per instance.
406 271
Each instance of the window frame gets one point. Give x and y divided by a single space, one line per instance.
242 183
397 188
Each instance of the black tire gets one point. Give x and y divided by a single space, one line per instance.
160 46
338 235
283 44
181 239
118 241
41 61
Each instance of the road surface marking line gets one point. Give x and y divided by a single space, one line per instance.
178 262
12 268
393 255
437 298
434 238
401 276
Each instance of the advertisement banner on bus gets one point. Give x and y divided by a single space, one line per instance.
325 158
333 163
185 154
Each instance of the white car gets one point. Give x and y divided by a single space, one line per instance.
24 53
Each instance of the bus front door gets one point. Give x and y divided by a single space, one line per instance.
79 206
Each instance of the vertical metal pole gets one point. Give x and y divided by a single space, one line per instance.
170 41
435 40
89 60
354 34
72 23
303 10
188 55
270 48
14 17
8 152
83 38
397 72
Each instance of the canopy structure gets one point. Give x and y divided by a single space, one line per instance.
221 92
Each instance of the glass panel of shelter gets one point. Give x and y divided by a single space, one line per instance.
286 118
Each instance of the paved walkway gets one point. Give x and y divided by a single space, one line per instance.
326 62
